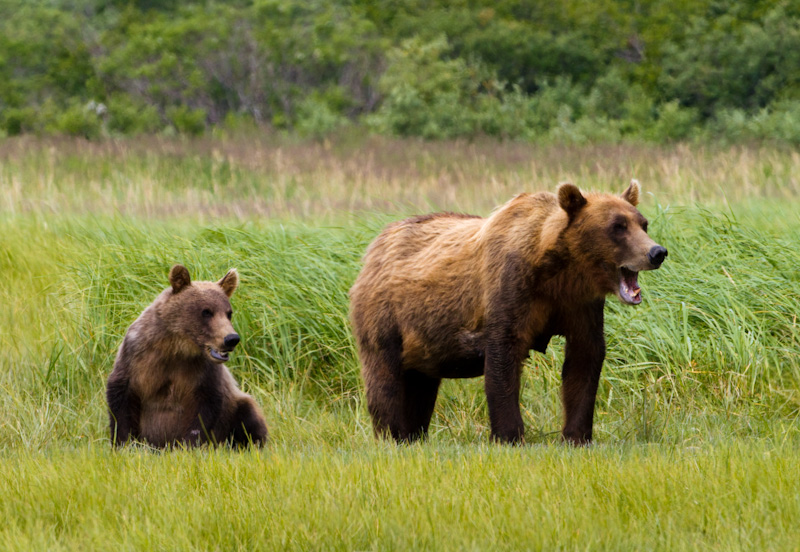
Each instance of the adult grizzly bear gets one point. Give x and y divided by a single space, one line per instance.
170 384
459 296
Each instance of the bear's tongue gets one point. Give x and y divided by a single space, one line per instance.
629 290
222 357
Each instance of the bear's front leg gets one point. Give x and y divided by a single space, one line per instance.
248 425
124 409
502 372
583 361
201 428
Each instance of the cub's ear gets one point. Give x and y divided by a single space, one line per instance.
179 278
631 195
229 282
570 198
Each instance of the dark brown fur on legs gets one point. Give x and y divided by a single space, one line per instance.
402 406
247 425
400 401
457 296
583 360
170 384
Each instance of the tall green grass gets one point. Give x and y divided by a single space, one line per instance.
698 411
717 333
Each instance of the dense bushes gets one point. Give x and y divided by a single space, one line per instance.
572 72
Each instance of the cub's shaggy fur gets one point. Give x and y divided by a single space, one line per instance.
458 296
170 384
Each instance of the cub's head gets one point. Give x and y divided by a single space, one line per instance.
199 313
608 235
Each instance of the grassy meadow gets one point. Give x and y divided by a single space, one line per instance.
697 425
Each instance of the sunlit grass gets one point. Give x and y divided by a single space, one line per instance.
733 496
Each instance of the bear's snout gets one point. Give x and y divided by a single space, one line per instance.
656 255
230 341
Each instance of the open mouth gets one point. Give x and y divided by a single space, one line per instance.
629 290
217 355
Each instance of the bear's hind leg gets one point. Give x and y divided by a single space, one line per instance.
248 425
384 391
419 398
381 370
400 402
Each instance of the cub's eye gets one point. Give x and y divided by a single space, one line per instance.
229 314
620 227
207 313
644 226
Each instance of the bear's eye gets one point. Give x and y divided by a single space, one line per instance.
229 314
644 226
207 313
620 226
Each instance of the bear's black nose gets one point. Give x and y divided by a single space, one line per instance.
231 341
656 255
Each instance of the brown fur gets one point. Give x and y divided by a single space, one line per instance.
170 384
449 296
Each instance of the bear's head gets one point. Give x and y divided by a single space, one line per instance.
607 236
198 314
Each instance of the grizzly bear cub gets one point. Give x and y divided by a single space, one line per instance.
170 384
459 296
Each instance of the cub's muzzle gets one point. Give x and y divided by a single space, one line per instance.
228 343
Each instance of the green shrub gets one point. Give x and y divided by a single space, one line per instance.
585 130
319 114
505 115
237 123
427 94
556 103
780 122
614 98
17 120
128 117
186 120
674 122
728 62
80 120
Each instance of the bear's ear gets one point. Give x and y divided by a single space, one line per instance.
570 198
631 195
229 282
179 278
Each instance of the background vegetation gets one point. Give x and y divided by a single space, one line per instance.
279 137
567 72
698 438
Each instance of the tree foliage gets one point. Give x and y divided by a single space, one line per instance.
568 71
